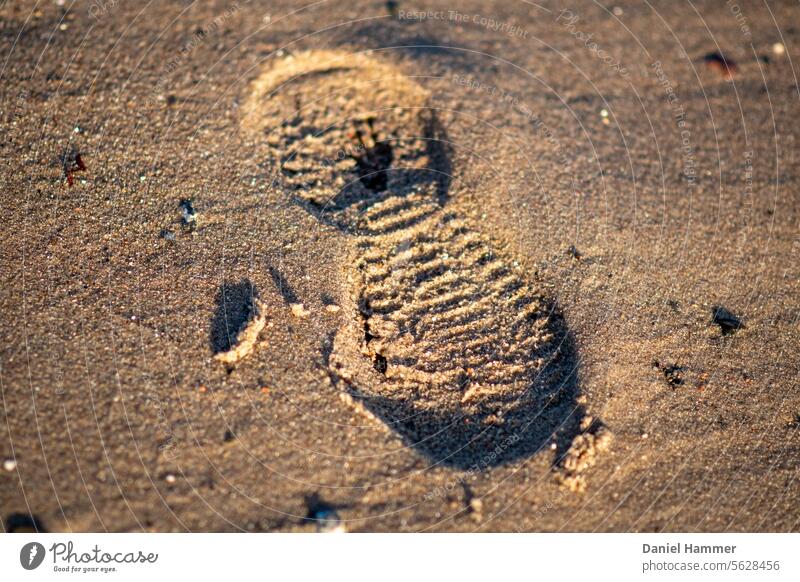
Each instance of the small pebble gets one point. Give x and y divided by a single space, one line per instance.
170 478
9 465
726 320
476 505
299 310
332 308
725 67
328 521
188 213
778 48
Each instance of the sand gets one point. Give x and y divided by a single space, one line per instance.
280 269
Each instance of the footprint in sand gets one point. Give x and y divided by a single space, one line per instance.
448 343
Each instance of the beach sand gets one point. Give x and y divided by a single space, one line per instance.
370 267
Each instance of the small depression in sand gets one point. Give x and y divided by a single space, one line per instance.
238 320
448 342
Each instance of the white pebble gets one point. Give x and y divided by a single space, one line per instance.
328 521
299 310
170 478
778 48
9 465
476 505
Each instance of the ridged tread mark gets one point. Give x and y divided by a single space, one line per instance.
451 344
465 335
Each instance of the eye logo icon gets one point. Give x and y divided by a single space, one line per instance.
31 555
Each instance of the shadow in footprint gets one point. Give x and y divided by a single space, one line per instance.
23 523
449 344
378 168
533 417
283 286
235 305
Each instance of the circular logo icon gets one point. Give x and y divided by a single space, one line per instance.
31 555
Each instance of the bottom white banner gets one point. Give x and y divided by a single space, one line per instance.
388 557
